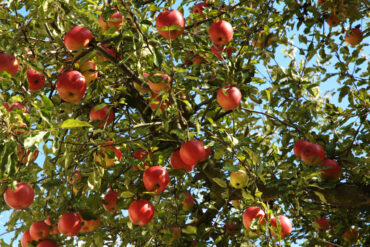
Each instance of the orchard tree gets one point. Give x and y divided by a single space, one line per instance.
163 123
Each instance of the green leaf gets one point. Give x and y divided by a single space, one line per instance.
72 123
189 230
222 183
321 196
231 168
127 194
32 140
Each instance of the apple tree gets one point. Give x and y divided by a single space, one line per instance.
185 123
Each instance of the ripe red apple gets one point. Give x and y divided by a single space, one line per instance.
169 18
142 154
9 64
333 20
105 115
285 225
350 235
192 152
188 203
299 147
252 213
39 230
89 224
313 154
115 20
21 197
198 8
156 178
158 87
47 243
206 154
110 50
354 36
69 224
77 38
53 226
141 212
35 79
16 105
177 163
229 97
89 70
221 32
26 238
323 224
71 86
332 172
107 161
111 201
155 101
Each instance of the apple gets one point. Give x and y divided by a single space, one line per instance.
229 51
333 171
238 179
53 227
110 201
26 238
107 162
206 154
229 97
89 224
47 243
78 37
350 235
188 202
197 59
177 163
105 116
333 20
89 70
216 50
351 11
285 226
19 198
69 224
162 85
354 36
221 32
16 105
198 8
142 154
24 157
110 50
322 224
313 154
77 185
299 147
9 64
39 230
115 20
141 212
155 101
35 79
252 213
169 18
192 151
156 178
71 86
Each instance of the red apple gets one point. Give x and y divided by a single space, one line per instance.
299 147
89 70
156 178
323 224
158 87
198 8
313 154
188 203
169 18
69 224
333 20
142 154
332 172
54 227
155 101
350 235
110 50
192 152
206 154
285 226
105 115
354 36
141 212
252 213
71 86
39 230
21 197
89 225
77 38
229 51
26 238
115 20
221 32
229 97
47 243
35 79
111 201
9 64
177 163
107 162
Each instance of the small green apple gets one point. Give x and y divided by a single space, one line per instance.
238 179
